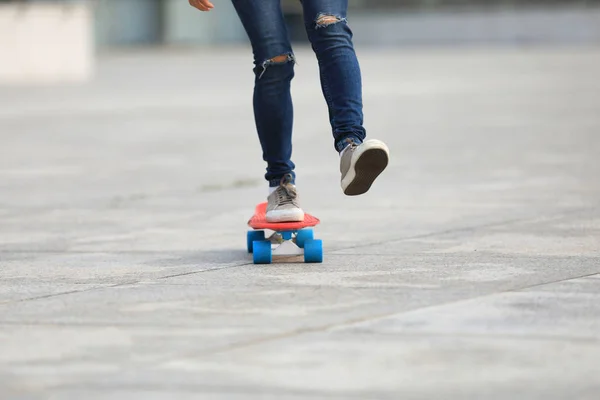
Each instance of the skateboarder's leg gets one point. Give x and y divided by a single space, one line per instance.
273 109
274 70
341 82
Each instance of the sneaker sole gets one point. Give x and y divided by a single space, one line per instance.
284 216
365 169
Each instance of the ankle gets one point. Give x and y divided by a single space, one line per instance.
348 141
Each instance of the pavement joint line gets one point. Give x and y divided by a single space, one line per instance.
123 252
455 255
205 389
356 321
47 296
507 222
74 324
109 286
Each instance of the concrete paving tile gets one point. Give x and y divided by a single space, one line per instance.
418 366
110 268
564 310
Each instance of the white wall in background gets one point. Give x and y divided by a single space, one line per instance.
46 43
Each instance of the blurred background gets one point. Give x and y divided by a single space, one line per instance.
29 28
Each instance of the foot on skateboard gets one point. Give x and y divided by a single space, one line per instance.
269 239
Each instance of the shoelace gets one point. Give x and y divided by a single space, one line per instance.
351 144
286 194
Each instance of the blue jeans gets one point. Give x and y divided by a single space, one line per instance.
340 75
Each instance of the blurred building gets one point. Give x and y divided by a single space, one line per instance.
375 22
57 39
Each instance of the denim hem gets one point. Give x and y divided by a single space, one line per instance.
275 182
342 143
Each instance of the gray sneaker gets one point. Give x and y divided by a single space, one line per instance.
361 164
283 204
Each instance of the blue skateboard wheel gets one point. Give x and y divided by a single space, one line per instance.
253 236
313 251
262 252
303 236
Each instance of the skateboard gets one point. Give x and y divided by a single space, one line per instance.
268 239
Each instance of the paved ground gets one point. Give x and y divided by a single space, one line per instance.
471 271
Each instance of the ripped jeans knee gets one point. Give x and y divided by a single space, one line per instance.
324 20
277 60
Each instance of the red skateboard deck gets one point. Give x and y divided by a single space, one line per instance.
288 239
259 221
